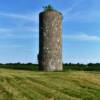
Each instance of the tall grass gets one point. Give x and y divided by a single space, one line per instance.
35 85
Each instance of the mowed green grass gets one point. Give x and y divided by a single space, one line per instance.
32 85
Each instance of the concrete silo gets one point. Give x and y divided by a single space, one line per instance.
50 40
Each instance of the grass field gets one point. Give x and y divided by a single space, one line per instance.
34 85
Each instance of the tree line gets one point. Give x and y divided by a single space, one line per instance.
67 66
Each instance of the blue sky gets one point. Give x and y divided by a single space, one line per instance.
19 30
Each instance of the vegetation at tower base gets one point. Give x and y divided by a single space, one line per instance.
50 40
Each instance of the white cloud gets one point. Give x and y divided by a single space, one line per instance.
11 46
81 15
65 12
68 16
19 16
24 33
27 17
82 37
5 32
29 29
17 29
2 30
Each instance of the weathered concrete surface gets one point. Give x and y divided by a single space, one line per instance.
50 41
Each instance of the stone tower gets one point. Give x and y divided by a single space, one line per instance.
50 40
